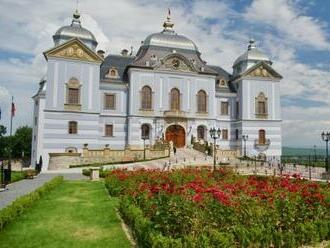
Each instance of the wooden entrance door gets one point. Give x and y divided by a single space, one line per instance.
177 134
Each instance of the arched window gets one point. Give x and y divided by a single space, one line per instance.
145 131
262 137
201 101
73 127
146 98
73 91
261 106
113 73
175 99
200 132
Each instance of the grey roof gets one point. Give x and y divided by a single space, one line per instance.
146 53
117 62
223 74
170 39
252 53
74 30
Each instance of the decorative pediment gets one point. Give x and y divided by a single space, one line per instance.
262 70
175 63
74 49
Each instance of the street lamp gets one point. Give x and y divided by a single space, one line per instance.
245 138
144 136
215 134
314 154
326 138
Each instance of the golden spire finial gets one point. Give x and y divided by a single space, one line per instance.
168 25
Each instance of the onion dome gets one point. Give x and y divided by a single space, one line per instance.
252 56
75 30
169 38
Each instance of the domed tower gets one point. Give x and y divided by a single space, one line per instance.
258 108
66 33
251 57
159 47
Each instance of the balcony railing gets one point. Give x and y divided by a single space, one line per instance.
175 113
262 146
262 116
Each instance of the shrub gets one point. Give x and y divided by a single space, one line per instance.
200 208
20 205
30 174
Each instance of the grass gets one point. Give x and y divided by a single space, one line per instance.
17 176
75 214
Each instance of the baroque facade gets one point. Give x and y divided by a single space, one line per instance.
164 91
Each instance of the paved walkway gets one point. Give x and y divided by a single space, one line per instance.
26 186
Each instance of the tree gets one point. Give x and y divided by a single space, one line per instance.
21 142
3 130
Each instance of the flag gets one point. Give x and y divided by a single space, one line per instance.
13 109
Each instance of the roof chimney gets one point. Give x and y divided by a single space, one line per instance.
101 53
124 52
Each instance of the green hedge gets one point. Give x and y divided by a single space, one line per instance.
146 236
21 204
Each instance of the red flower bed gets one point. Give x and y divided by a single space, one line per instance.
189 204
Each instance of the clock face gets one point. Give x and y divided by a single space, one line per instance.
176 63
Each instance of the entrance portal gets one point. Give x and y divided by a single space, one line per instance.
177 134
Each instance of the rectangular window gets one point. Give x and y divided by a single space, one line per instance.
236 134
109 130
237 109
73 127
35 121
109 101
224 108
73 96
224 134
261 107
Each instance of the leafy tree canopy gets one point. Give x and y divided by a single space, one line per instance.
3 130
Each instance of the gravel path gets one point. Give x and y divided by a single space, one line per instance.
26 186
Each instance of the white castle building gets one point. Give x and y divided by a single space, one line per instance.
164 91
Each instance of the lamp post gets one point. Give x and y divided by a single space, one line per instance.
314 154
144 136
326 138
144 147
245 138
215 134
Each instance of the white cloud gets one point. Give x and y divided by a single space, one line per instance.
285 16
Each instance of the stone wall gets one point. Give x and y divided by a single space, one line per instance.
102 156
225 155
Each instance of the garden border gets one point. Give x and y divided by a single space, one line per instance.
21 204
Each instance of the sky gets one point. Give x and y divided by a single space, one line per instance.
294 33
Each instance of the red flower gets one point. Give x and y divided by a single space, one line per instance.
197 198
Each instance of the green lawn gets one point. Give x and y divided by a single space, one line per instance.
75 214
17 176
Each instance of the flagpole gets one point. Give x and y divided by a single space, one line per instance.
11 138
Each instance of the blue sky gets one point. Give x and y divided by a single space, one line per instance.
294 33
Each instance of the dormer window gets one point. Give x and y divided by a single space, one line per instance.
112 73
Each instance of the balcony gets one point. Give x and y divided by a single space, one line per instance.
175 114
72 107
261 146
262 116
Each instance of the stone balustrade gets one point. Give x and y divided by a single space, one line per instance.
102 156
